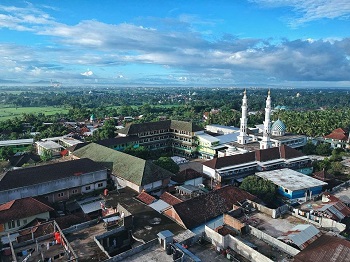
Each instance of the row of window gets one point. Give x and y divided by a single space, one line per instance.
75 191
16 223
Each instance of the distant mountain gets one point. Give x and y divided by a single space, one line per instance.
4 81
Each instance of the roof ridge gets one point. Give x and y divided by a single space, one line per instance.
39 202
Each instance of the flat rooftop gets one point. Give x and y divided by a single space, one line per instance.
274 227
290 179
144 217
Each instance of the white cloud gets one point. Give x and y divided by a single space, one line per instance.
310 10
87 73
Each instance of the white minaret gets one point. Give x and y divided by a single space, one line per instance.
243 138
266 143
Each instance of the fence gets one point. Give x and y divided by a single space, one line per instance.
236 245
273 241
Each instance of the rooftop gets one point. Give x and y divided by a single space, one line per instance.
140 172
45 173
290 179
48 144
325 248
22 208
142 214
200 209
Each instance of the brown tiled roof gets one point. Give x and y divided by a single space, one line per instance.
45 173
146 198
170 199
339 134
220 162
287 152
262 155
22 208
186 175
134 129
325 248
198 210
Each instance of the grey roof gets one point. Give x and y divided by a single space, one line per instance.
46 173
300 234
91 204
133 169
17 142
290 179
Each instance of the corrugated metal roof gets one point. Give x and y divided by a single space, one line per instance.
300 234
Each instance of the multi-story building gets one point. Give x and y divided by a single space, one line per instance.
170 135
56 182
231 169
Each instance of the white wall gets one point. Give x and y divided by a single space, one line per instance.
209 171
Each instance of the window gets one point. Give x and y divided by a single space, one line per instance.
74 191
25 221
60 194
100 185
87 187
18 223
286 190
11 224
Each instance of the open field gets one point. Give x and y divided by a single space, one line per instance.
11 112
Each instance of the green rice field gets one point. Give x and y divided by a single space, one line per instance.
11 112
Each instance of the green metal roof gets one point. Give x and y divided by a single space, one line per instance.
133 169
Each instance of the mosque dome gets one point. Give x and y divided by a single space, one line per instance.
278 128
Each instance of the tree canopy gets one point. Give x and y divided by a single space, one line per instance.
263 189
168 164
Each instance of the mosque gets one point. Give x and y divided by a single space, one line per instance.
267 135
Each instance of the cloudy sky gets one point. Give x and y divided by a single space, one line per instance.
176 43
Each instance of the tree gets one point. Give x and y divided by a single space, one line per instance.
6 152
323 149
168 164
47 155
263 189
309 148
140 152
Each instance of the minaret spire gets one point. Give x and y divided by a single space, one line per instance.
243 138
266 143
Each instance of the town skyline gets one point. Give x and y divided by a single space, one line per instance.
255 42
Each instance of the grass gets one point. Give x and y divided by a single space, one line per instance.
11 112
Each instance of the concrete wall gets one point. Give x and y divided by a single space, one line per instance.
274 213
209 171
133 251
236 245
54 186
23 222
273 241
323 222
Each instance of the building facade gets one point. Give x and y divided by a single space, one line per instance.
56 182
175 136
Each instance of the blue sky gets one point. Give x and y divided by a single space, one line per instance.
297 43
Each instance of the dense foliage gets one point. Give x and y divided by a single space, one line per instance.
168 164
263 189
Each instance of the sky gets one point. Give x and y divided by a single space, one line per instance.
209 43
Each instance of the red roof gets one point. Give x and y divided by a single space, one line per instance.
146 198
170 199
339 134
22 208
325 248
